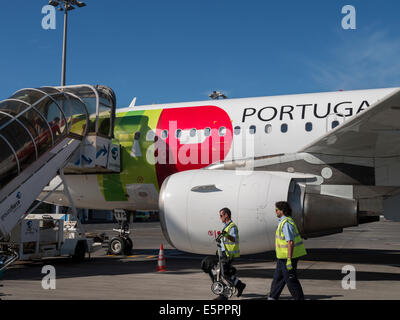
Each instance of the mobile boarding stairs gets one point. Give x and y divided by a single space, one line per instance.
43 131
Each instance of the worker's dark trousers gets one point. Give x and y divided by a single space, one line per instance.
282 276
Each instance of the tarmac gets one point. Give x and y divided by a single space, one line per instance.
373 250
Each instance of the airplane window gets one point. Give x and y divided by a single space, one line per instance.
308 126
284 127
222 131
335 124
268 128
178 133
252 129
164 134
207 132
236 131
193 132
150 135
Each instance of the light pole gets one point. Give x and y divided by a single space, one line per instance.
65 5
215 95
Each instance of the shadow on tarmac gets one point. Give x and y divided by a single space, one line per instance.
252 296
320 274
360 256
183 263
178 263
350 256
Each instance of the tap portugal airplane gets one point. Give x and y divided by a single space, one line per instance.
335 157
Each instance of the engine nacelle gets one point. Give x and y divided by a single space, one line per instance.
190 202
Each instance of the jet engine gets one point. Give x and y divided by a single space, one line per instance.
190 201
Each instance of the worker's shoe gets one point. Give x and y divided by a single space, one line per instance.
240 287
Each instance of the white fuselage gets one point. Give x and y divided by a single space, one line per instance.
267 125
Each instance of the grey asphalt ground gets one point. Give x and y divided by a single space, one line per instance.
372 249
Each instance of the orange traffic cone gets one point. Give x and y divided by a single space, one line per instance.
161 260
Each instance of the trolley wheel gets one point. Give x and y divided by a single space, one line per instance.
217 288
116 246
128 246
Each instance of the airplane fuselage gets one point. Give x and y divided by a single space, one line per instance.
160 140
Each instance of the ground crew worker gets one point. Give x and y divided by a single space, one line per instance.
230 251
289 247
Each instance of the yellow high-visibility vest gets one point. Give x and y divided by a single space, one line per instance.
281 245
231 248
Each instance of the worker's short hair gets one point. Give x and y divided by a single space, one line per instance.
227 211
285 207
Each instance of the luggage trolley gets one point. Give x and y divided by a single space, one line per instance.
221 285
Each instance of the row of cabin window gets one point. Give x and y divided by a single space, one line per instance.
222 131
284 128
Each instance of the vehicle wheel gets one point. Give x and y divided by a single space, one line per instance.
128 246
117 246
80 251
217 288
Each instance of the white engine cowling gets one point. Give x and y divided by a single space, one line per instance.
190 202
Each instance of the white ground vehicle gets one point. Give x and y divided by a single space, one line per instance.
48 235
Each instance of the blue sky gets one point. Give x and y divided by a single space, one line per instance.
181 50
